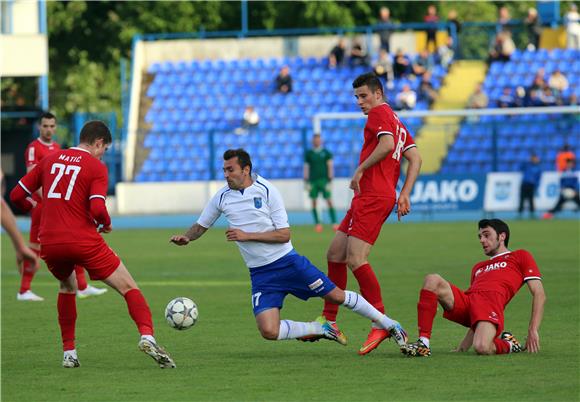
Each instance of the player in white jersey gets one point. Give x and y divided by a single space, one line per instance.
259 225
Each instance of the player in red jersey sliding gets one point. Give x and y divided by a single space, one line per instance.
74 186
386 140
481 307
35 152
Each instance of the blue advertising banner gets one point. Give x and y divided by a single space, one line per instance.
449 192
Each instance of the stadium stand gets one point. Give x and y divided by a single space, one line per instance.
197 105
512 141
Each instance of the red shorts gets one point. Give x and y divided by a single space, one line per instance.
366 216
469 309
97 258
35 224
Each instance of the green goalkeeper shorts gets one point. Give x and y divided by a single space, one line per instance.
320 186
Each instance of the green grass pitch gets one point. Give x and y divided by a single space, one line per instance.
224 358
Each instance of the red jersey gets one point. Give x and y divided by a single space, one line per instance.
69 180
381 178
37 150
504 273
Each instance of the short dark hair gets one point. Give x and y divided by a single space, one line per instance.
94 130
243 157
498 225
46 115
370 80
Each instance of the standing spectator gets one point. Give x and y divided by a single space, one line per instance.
384 68
336 56
432 19
568 189
423 63
406 99
385 28
478 99
284 81
503 19
452 20
534 29
563 156
426 90
358 56
531 174
558 82
401 64
318 174
572 20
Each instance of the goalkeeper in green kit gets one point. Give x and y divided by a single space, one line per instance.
318 174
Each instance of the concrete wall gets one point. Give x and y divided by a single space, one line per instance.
191 197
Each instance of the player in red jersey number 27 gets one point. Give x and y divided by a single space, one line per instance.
74 186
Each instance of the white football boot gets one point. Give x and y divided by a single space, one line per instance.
91 291
156 352
28 296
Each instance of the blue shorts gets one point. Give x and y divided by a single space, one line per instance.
291 274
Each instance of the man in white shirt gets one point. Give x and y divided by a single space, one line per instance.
259 225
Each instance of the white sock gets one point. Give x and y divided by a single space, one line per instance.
150 338
72 352
359 305
424 340
294 329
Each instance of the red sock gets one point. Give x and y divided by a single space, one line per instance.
338 275
81 278
501 347
369 286
139 311
28 272
67 317
426 311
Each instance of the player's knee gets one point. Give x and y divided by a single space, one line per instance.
334 254
354 261
270 333
483 348
432 282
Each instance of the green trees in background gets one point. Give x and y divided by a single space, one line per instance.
88 39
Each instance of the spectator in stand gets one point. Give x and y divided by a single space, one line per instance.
478 99
572 21
534 29
558 83
568 189
336 56
426 90
406 99
563 156
445 53
284 81
384 68
423 63
401 65
385 28
531 174
535 90
503 47
452 20
503 19
547 98
250 119
432 19
358 56
506 99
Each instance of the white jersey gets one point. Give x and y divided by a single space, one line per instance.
256 209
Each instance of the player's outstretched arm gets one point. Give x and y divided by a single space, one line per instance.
23 252
466 343
538 301
404 202
274 236
194 233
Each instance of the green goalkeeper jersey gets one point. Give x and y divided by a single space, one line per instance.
317 161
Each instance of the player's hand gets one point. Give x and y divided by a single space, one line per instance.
105 228
403 205
354 182
236 235
180 240
307 186
532 342
26 254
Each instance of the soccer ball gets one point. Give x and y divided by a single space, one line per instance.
181 313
